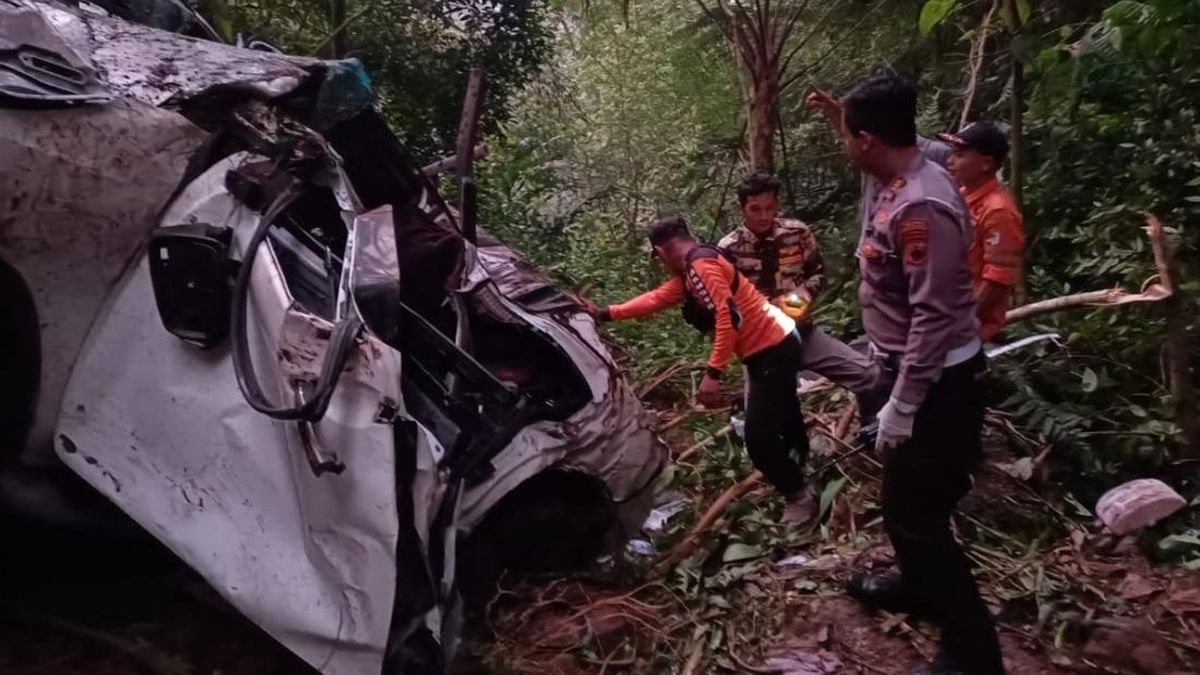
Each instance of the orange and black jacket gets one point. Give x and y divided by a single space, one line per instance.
710 282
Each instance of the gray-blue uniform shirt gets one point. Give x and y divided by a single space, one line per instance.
915 287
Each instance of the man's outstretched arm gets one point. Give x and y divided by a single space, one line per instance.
667 295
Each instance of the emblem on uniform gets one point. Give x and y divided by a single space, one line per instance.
898 184
993 238
914 236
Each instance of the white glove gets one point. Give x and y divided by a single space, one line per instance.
895 424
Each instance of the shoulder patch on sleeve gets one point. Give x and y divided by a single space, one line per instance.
914 237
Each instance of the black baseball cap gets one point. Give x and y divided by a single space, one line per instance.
982 137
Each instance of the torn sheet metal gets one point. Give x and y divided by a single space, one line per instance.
610 437
311 560
155 66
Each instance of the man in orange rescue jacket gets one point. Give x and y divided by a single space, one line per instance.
998 246
758 332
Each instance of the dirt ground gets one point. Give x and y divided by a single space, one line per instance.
114 605
1067 599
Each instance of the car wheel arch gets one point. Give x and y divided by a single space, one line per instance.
20 361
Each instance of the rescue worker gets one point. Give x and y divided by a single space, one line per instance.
781 258
998 247
919 313
758 332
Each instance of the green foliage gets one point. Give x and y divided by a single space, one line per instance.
1113 133
636 119
418 53
641 113
933 13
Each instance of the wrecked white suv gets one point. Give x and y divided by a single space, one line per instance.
235 306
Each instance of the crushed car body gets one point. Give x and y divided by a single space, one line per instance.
261 334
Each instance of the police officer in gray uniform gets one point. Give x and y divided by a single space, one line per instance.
919 313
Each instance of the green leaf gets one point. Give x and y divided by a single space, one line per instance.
832 488
933 13
1023 11
736 552
1179 542
1089 381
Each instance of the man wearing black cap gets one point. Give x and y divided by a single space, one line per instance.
998 247
745 324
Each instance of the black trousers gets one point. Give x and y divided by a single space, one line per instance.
923 480
776 438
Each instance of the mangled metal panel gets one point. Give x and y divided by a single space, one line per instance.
81 188
163 430
610 437
155 66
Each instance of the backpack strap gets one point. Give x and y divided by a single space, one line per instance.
708 252
705 305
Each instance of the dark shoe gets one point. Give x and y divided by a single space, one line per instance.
884 592
799 510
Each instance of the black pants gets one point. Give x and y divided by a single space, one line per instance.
923 480
776 438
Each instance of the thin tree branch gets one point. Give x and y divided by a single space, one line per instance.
723 26
812 33
839 42
790 20
745 16
978 47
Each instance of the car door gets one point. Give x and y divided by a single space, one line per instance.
298 523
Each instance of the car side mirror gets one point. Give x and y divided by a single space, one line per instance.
189 270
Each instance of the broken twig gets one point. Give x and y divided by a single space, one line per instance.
687 454
1106 298
684 548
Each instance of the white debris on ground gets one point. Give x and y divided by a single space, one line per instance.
1131 506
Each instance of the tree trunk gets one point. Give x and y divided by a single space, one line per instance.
337 19
1016 160
1017 130
764 111
1178 347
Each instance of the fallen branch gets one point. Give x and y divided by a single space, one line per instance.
445 164
672 423
844 420
693 662
1106 298
663 376
687 454
685 548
